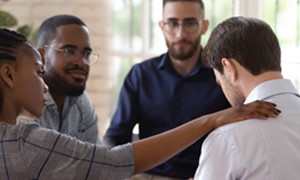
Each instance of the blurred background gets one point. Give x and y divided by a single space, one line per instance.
125 32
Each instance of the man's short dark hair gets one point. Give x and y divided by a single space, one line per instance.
196 1
251 42
47 29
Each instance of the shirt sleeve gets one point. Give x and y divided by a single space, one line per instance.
125 116
50 154
219 158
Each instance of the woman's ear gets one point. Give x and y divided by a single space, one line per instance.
7 73
229 69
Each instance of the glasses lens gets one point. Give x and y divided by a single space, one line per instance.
73 54
70 53
171 26
93 58
191 26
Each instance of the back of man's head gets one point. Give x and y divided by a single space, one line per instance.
47 29
249 41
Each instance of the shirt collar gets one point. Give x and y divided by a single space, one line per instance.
165 63
50 100
270 88
69 100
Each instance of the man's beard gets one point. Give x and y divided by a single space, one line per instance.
181 54
63 86
72 90
69 89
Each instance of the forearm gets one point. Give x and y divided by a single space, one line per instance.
157 149
153 151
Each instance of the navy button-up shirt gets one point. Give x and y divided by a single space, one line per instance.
157 98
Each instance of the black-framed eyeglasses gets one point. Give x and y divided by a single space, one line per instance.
190 26
73 54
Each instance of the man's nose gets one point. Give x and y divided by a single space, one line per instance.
180 32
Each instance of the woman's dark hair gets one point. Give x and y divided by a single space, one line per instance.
9 42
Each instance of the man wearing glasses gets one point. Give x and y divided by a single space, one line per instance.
166 91
64 44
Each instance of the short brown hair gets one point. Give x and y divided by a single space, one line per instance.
251 42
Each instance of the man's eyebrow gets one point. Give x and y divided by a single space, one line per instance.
75 47
68 46
190 19
172 19
185 19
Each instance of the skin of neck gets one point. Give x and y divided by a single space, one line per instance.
247 81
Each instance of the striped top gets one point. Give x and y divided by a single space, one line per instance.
28 151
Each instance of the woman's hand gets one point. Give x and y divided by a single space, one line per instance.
255 110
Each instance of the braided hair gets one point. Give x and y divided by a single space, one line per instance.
9 42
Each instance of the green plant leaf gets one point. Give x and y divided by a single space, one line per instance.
25 30
7 20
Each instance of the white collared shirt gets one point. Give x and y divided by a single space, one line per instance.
255 149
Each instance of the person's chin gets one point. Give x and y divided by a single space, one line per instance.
76 90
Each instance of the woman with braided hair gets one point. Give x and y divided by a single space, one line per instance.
29 151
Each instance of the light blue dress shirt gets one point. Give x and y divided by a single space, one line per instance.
256 149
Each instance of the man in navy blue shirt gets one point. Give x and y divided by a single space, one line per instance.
164 92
